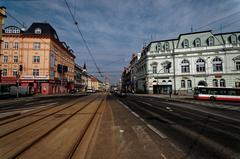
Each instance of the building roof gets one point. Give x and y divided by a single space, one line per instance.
46 28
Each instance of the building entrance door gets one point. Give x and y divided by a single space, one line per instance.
162 89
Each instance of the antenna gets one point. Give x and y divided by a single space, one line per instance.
191 28
221 28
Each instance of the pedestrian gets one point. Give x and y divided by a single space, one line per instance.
170 93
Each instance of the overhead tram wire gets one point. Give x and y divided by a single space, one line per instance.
218 20
10 15
84 41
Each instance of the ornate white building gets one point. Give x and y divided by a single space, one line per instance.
193 59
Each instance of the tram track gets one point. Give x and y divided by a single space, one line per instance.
32 112
20 124
33 133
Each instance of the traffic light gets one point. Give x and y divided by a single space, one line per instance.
20 67
169 65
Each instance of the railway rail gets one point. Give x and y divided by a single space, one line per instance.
54 132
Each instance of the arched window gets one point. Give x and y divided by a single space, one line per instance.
183 85
185 43
200 65
163 81
210 41
154 67
166 46
189 83
222 83
158 47
215 83
4 72
232 39
197 42
38 31
217 64
185 66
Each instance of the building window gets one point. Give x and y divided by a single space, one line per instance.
237 64
189 83
222 83
5 59
15 45
154 69
217 64
185 66
200 65
183 85
210 41
166 70
166 46
237 84
36 45
158 47
12 30
14 72
38 31
4 72
15 59
215 83
232 39
5 45
36 59
185 43
35 72
197 42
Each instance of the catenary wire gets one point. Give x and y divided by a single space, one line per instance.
84 41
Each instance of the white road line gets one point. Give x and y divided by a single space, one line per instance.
156 131
163 156
148 125
136 115
146 103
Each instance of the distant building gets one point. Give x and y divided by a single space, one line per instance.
37 59
2 17
192 59
80 79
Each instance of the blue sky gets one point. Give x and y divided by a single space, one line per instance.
114 29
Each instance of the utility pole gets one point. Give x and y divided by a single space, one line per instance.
17 93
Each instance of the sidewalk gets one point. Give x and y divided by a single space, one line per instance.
191 100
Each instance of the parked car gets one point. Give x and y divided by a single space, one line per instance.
89 91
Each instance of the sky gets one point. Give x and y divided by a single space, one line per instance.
115 29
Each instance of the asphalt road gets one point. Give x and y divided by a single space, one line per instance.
201 132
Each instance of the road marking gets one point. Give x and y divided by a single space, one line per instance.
163 156
31 103
148 125
156 131
50 104
146 103
121 131
135 114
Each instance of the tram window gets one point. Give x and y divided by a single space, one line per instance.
238 92
232 92
213 91
222 92
203 91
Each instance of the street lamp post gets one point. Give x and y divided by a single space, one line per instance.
17 94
